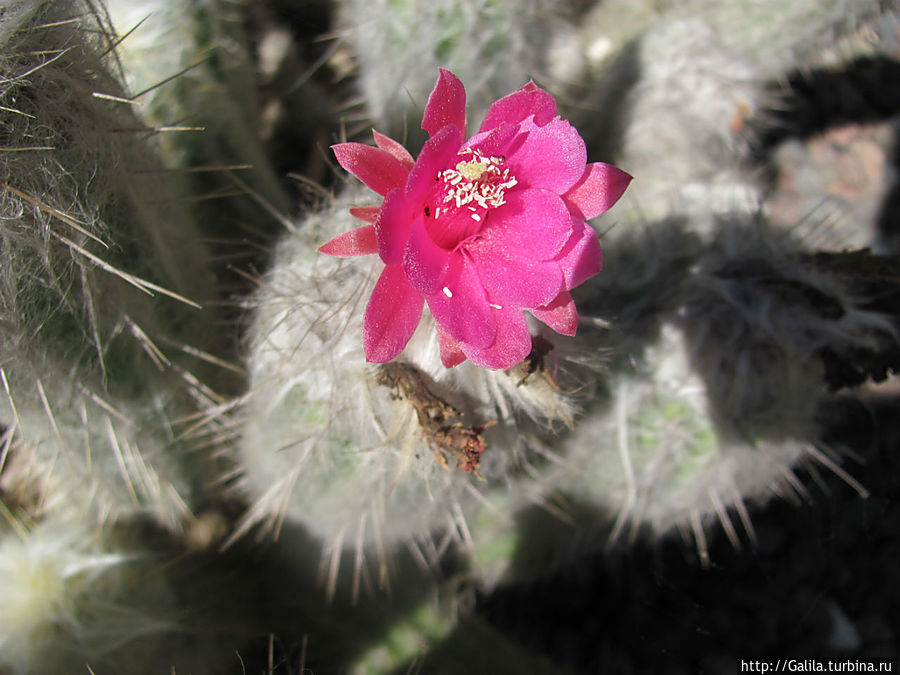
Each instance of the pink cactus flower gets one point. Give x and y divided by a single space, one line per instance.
479 229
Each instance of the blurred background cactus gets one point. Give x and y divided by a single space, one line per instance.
200 473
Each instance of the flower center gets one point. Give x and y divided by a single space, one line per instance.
465 194
480 181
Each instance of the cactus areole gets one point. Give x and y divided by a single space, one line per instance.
479 229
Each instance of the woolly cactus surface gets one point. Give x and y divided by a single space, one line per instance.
493 46
357 452
102 278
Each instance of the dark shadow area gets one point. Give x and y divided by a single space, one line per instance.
888 223
820 580
298 89
647 268
328 632
287 617
809 102
875 282
601 116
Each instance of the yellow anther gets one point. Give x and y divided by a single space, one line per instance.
472 170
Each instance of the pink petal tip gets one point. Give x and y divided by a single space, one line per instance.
360 241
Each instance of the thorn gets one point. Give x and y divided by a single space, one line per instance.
110 97
115 44
52 24
56 213
181 72
195 169
826 461
700 538
153 130
725 520
17 112
259 199
141 284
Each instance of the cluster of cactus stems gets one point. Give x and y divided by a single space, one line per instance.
134 435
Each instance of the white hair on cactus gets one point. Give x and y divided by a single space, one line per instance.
680 137
494 46
715 392
89 460
758 318
102 274
691 83
15 15
47 578
654 458
781 37
111 599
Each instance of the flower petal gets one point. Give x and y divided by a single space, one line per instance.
581 257
531 224
515 281
446 105
424 263
392 227
366 213
360 241
496 141
451 352
552 157
391 317
461 306
515 107
511 346
597 190
436 155
561 314
375 167
388 144
401 207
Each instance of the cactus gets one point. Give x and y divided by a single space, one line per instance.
492 46
371 454
323 410
48 576
189 67
103 276
710 355
681 96
125 597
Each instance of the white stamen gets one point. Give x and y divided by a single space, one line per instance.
476 217
495 306
447 292
482 180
